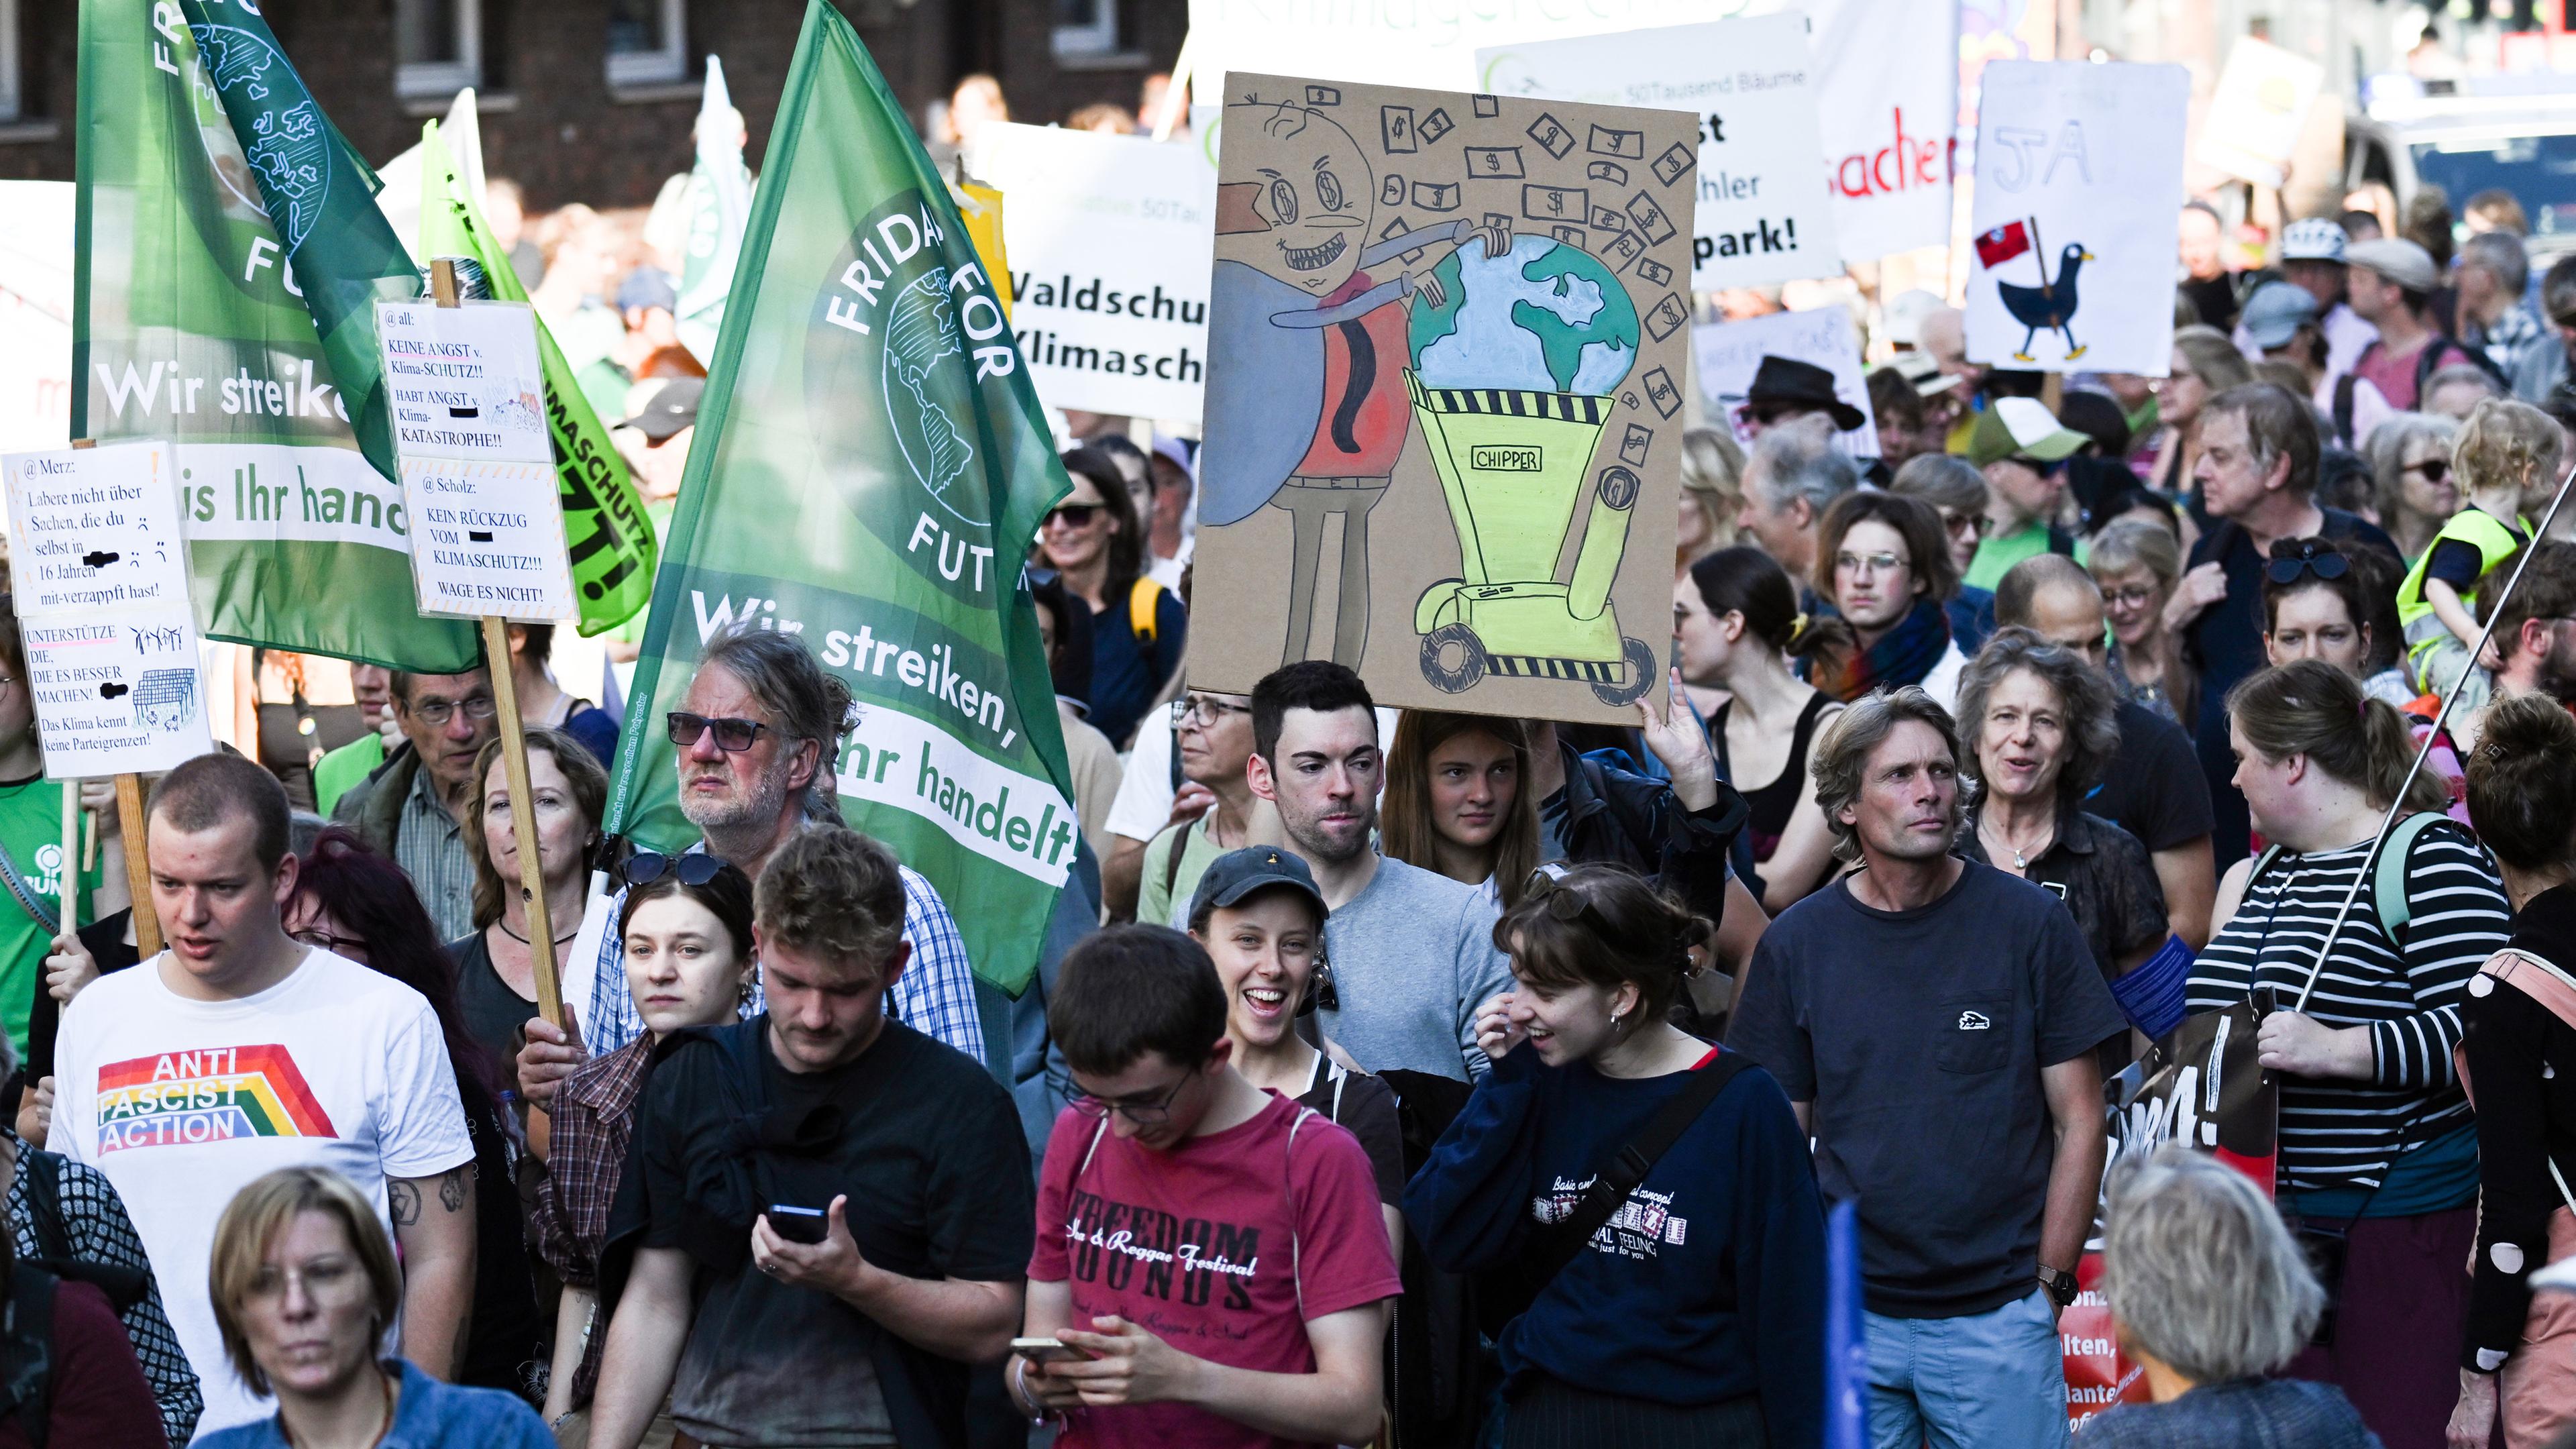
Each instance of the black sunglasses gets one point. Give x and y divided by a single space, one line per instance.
648 866
2433 469
1072 515
733 736
2321 560
1564 900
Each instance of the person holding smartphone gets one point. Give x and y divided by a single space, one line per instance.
1211 1269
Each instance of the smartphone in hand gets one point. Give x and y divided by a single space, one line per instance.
1047 1350
799 1224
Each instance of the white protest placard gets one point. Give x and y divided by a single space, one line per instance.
1762 213
1725 356
478 474
465 382
1111 244
2252 126
1887 93
93 529
116 692
487 539
2077 205
101 585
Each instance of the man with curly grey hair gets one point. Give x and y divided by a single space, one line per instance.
1933 1021
2212 1295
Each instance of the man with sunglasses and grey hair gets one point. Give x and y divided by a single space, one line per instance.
756 738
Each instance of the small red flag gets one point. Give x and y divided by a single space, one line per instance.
2004 243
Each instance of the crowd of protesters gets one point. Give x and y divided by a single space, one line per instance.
1416 1077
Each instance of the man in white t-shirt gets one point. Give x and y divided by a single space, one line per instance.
239 1051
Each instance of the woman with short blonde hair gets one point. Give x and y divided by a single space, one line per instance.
304 1284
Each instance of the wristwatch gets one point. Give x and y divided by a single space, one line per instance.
2059 1283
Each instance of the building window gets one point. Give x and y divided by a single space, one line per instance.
1086 27
13 90
648 41
438 46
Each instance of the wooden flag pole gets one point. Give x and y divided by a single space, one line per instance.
138 865
514 759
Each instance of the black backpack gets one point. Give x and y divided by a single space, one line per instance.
1435 1365
2426 364
43 1174
27 1353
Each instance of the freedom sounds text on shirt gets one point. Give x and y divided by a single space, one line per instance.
179 1099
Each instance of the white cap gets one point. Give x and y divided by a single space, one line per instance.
1904 314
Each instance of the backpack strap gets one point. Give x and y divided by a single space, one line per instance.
1172 862
1142 597
1622 1174
2388 875
42 1172
2343 394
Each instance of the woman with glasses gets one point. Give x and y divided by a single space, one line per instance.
1736 626
1138 629
496 978
2378 1151
686 925
2205 364
1457 799
2410 470
355 903
1885 563
305 1283
1695 1317
1956 491
2135 561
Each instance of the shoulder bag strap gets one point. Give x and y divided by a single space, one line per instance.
43 1172
1180 842
1288 1185
28 897
1621 1175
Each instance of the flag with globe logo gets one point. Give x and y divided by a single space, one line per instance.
229 256
869 467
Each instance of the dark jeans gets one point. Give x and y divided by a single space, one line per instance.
2397 1335
1553 1414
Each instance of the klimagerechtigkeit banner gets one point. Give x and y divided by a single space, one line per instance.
611 540
229 256
869 467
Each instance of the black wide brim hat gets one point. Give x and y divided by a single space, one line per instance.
1787 382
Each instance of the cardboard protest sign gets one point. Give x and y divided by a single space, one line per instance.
2202 1086
1728 353
1109 240
1444 395
1887 92
101 578
467 392
2078 199
1762 211
2252 126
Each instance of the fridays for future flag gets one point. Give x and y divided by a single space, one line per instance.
869 467
228 259
612 541
718 207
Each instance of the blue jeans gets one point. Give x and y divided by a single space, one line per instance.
1966 1383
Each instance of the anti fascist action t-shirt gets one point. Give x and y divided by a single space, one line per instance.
1920 1036
1206 1246
181 1103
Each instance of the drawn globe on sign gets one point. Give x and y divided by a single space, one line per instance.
290 146
921 336
1514 365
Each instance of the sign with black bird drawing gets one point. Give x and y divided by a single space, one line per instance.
2078 198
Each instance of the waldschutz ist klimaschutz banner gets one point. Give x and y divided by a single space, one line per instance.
869 467
225 302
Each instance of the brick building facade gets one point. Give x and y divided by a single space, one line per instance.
591 100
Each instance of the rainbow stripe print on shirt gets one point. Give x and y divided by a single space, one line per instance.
184 1099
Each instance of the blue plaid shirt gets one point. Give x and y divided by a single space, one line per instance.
935 995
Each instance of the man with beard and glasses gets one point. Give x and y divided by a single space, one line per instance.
1409 952
756 735
2535 636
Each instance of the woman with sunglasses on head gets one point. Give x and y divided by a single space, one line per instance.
1260 917
1694 1318
496 979
1138 629
2319 602
350 900
2410 469
1458 799
686 925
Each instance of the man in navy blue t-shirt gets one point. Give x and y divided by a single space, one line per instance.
1932 1021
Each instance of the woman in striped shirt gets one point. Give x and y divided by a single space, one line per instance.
2378 1156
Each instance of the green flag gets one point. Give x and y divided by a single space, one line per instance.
717 202
869 467
611 540
196 321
